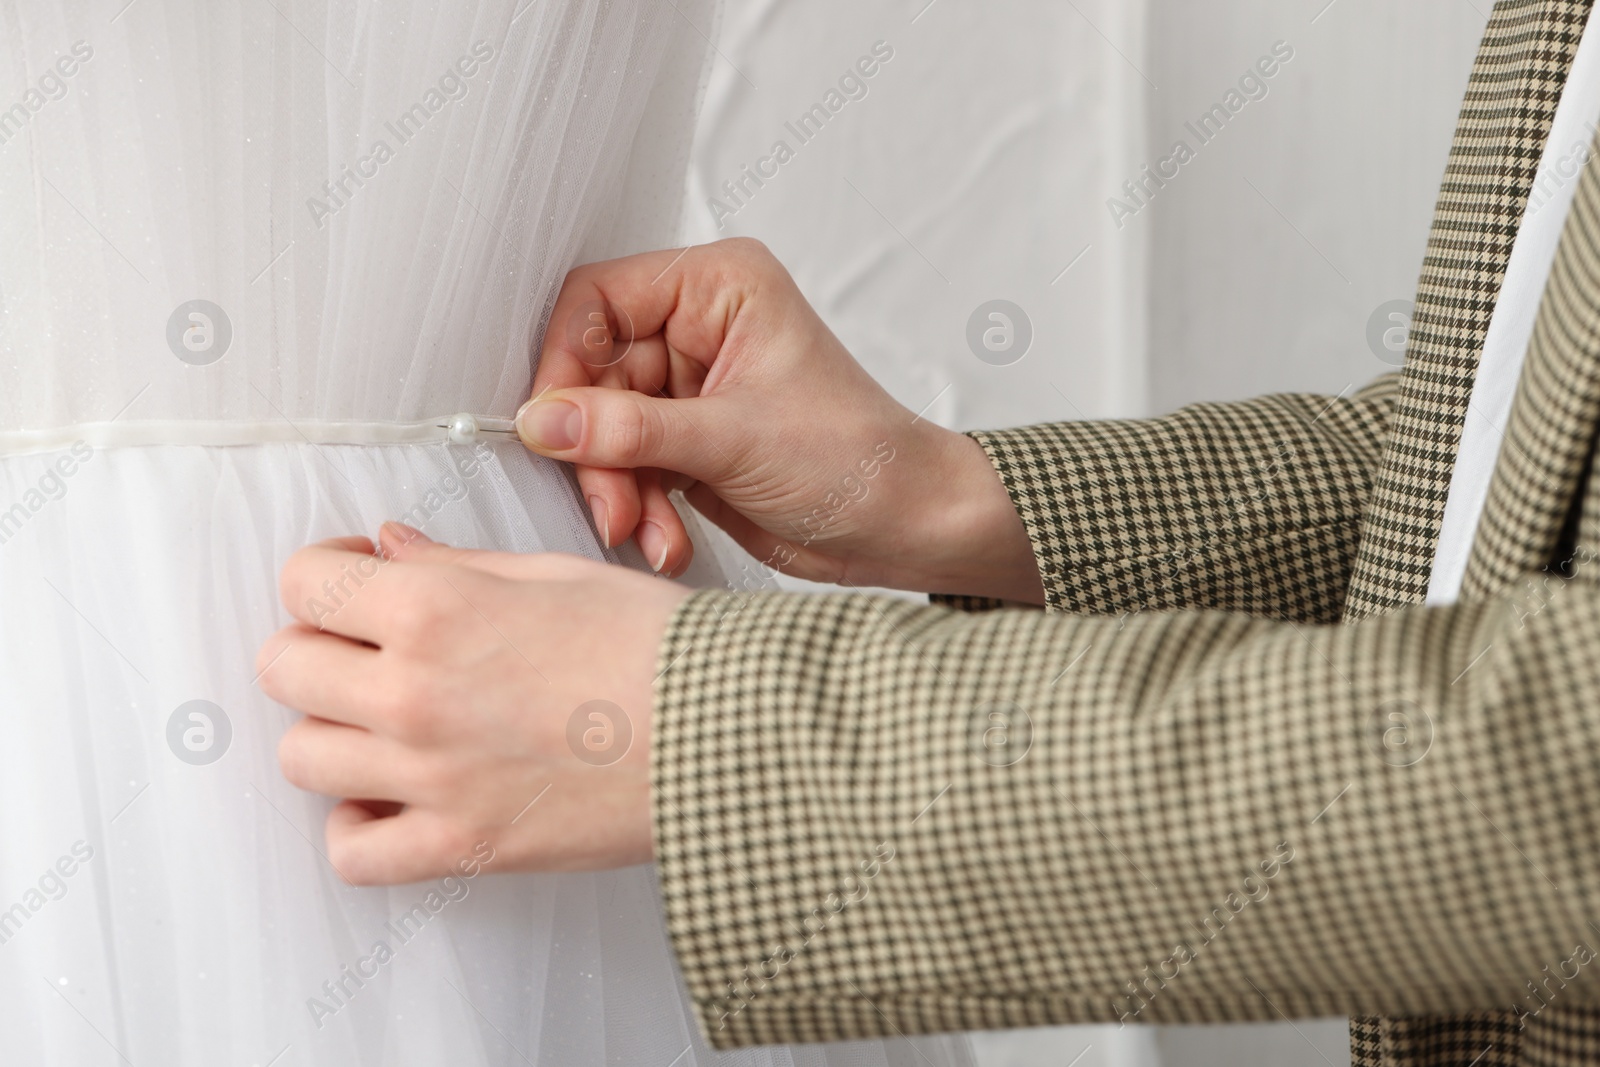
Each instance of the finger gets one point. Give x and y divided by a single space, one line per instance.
645 365
350 544
320 674
331 586
661 534
685 375
697 436
655 368
368 849
687 295
613 497
408 545
345 761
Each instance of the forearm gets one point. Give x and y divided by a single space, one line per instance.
847 849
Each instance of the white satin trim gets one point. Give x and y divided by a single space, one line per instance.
458 429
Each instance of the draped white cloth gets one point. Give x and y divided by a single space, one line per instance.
377 204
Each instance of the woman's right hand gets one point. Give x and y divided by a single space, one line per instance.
706 370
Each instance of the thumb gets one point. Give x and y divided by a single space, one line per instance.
620 428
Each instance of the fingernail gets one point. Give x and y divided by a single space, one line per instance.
602 519
405 534
550 425
653 543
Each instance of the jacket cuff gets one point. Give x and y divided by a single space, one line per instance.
1150 515
750 875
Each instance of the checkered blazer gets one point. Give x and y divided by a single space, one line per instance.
1235 770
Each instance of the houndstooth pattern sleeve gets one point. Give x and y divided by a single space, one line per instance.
877 817
1252 507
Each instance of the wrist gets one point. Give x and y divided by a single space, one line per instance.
963 534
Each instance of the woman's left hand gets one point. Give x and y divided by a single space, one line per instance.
455 697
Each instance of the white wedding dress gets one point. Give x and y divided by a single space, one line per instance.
252 254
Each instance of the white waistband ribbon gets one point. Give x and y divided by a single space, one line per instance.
462 429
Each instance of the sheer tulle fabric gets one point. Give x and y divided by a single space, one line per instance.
154 910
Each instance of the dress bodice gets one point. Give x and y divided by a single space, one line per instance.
319 210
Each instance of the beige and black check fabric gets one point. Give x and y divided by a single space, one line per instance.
1510 103
1187 791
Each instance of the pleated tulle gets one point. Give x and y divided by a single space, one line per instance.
158 909
193 918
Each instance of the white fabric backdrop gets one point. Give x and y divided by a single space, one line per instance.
979 165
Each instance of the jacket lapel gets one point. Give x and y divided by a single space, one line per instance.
1551 429
1510 102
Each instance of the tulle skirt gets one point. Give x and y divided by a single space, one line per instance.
164 896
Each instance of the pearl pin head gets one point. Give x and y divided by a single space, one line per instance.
463 429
